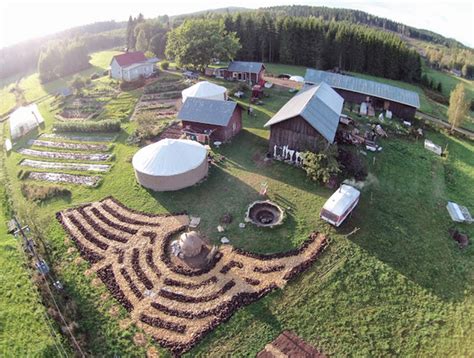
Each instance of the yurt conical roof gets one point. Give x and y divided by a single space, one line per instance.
190 243
169 157
204 89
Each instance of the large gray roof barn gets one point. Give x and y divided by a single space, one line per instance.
360 85
320 106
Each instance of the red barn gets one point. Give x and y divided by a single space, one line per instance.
245 71
210 119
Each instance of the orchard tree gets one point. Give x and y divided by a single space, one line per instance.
196 42
458 106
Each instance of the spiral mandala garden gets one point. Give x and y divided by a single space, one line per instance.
177 306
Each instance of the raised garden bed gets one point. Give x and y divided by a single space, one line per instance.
93 157
65 166
78 137
80 109
73 146
64 178
175 305
158 96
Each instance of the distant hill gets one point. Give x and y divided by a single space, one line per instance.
361 17
220 11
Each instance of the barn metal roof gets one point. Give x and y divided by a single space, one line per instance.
359 85
244 66
320 106
207 111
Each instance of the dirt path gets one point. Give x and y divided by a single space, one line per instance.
438 121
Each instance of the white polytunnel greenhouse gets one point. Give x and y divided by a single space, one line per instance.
24 120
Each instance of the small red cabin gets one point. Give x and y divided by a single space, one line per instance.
210 120
246 71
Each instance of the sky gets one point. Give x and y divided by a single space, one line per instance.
21 20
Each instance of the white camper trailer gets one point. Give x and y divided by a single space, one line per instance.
340 205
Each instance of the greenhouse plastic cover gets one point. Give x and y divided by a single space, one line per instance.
169 157
24 119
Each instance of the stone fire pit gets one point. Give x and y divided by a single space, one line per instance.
264 214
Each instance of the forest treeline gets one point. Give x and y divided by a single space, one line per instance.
64 57
24 56
294 40
325 45
361 17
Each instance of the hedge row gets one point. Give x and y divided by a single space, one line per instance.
111 125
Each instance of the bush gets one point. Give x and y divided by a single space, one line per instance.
105 73
352 165
323 165
129 86
241 86
35 192
164 65
111 125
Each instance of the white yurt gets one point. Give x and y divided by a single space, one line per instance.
24 119
205 89
170 164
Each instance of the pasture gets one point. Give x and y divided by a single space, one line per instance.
397 286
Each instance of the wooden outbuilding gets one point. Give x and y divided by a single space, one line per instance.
210 120
245 71
403 103
308 119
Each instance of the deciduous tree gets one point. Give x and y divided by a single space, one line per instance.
458 106
196 42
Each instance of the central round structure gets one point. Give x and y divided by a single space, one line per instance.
170 164
264 214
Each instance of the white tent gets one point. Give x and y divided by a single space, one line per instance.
205 89
297 79
24 119
170 164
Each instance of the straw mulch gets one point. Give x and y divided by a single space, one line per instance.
129 251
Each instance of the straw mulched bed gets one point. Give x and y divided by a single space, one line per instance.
80 137
66 145
93 157
38 164
129 251
65 178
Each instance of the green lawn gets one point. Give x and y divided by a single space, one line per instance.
449 81
397 287
26 331
7 100
34 90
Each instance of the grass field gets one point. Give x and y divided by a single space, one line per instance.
26 331
397 287
34 90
